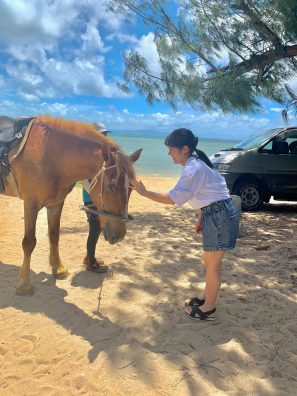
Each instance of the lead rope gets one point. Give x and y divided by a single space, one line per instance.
101 212
96 177
99 297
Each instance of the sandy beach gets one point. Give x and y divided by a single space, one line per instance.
125 333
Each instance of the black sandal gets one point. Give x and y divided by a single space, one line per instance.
194 301
197 314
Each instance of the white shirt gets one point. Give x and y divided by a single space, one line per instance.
199 185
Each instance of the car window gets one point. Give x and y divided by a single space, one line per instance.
285 143
255 141
289 135
267 147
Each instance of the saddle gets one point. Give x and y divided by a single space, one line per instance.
12 131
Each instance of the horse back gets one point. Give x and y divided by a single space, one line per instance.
34 175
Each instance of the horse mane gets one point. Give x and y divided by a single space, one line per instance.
87 131
80 129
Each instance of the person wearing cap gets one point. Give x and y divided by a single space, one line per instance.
101 128
90 261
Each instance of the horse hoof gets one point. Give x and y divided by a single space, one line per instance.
61 273
25 290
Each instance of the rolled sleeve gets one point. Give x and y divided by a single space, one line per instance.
184 190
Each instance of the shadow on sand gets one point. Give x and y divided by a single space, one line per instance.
166 333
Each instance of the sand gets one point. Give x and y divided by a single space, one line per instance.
136 340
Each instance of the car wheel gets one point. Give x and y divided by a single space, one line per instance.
251 195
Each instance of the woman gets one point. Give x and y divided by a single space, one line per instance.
206 191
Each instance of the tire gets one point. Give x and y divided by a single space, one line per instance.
251 194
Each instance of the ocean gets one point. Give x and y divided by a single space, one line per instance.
154 159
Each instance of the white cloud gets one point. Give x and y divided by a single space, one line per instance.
161 117
26 76
27 96
147 48
57 109
100 11
52 48
122 38
22 21
206 125
92 40
81 77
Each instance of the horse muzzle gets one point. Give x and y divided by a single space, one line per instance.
114 233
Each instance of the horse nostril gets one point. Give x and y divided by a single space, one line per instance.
116 238
113 240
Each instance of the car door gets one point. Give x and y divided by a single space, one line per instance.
280 164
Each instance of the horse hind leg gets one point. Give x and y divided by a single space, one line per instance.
29 242
53 217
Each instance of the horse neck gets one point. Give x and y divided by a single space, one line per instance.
88 160
81 158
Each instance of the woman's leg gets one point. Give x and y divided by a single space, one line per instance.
219 227
212 265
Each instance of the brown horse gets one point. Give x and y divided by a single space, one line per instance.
57 154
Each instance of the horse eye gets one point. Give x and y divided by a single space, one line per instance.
111 187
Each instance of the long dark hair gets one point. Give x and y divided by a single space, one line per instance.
184 137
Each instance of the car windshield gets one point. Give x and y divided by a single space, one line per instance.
256 140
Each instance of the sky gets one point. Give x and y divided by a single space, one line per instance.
65 58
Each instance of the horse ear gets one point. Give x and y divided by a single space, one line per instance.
106 152
134 157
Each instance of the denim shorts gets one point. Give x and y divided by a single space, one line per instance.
220 225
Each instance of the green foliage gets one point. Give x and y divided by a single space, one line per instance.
215 53
290 104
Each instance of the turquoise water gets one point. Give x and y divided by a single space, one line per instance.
154 159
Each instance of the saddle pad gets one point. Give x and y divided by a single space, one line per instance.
12 132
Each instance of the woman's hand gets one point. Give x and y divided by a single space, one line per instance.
138 186
198 225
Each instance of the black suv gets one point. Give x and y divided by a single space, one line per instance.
261 167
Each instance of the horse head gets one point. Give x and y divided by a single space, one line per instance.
110 192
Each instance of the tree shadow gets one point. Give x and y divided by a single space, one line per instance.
258 276
238 342
103 334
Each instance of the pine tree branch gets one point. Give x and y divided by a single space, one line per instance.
254 16
145 17
260 61
182 38
170 28
164 80
226 44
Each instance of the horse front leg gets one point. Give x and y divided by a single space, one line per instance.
29 242
53 218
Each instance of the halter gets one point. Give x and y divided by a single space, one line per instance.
100 212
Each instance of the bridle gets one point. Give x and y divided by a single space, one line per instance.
100 212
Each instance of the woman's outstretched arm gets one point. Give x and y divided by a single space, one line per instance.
154 196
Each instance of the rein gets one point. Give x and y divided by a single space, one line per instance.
100 212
